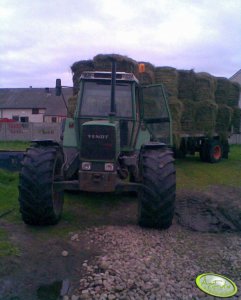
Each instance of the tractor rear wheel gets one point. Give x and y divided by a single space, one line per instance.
156 202
40 203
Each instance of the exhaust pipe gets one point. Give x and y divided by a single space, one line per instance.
113 85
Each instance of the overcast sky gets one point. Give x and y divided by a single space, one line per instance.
41 39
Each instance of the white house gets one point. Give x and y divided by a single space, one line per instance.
237 78
35 105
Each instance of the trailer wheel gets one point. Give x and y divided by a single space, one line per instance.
156 202
40 204
215 151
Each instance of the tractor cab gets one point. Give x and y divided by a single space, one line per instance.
95 95
95 102
135 107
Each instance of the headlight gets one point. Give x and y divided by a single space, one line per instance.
109 167
86 166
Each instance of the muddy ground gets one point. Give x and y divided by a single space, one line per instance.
41 271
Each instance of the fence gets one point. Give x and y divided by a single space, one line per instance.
29 131
235 139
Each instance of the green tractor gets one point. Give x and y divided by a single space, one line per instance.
119 140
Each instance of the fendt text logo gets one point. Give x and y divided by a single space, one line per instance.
98 136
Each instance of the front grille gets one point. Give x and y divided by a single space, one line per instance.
98 142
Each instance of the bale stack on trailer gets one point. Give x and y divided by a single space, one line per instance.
225 111
169 77
205 86
186 84
224 119
77 69
236 120
233 94
102 62
188 116
205 117
200 103
206 108
198 110
222 90
233 101
227 98
209 108
196 91
176 108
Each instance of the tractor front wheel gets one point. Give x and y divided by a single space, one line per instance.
40 203
156 202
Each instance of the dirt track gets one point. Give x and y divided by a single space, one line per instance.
41 269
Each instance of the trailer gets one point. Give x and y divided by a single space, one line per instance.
211 149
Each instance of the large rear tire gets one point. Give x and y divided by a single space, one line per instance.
157 202
40 204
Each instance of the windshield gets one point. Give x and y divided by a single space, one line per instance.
96 99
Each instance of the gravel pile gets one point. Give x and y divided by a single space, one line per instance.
148 264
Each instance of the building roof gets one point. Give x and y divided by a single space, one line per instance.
28 98
236 77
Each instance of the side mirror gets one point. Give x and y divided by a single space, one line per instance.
58 87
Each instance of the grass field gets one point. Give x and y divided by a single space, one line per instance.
13 145
6 247
191 174
194 174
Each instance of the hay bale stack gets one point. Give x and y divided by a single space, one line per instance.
205 86
199 102
222 91
186 84
151 107
72 102
236 120
102 62
233 94
188 116
169 77
176 108
224 118
147 77
78 68
205 116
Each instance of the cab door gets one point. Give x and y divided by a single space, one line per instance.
156 114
